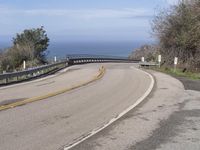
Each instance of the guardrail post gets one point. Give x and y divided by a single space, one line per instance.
24 65
55 59
6 80
159 60
16 78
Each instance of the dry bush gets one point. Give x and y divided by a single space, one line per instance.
178 32
149 52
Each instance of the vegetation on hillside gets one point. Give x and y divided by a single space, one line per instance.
178 32
149 52
30 45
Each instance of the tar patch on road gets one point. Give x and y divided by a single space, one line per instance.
190 84
168 129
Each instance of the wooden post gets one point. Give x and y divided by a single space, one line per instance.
159 60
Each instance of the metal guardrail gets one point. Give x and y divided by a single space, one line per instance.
147 64
7 78
79 56
85 58
14 77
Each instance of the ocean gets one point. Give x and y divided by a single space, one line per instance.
61 49
95 48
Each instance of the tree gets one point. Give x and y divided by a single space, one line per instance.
30 45
149 52
6 62
178 32
33 43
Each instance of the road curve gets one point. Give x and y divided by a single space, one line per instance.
66 78
61 120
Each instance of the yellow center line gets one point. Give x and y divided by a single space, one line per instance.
101 73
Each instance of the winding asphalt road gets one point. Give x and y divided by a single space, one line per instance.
58 121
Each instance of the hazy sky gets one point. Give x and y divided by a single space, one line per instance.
82 20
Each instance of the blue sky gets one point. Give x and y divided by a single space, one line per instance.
81 20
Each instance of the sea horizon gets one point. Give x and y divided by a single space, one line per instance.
111 48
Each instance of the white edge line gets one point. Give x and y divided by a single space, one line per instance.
95 131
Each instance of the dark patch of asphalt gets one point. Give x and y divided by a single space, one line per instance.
189 84
168 129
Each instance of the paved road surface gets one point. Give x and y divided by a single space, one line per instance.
63 79
169 119
50 124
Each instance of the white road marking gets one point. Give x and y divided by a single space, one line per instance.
95 131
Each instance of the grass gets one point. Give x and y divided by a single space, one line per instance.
179 73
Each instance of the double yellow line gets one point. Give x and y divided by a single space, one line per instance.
101 73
